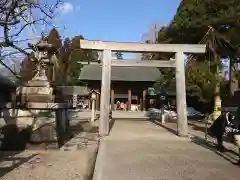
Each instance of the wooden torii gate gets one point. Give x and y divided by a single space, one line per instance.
107 62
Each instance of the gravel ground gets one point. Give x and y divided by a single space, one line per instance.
74 162
49 165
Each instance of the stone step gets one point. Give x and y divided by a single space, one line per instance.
115 115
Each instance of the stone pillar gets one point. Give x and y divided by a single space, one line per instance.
182 123
112 99
129 99
93 110
105 93
98 101
144 99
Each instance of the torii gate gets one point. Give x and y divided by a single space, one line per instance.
178 63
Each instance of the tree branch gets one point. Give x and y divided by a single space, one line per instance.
24 26
14 19
9 69
20 49
9 23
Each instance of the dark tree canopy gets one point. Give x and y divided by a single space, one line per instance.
193 18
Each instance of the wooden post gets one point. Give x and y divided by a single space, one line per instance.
105 93
182 124
144 99
112 99
90 104
129 99
14 99
98 101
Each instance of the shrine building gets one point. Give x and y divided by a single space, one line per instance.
128 84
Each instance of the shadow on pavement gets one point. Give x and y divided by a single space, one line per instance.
228 155
197 127
8 157
14 139
172 130
111 124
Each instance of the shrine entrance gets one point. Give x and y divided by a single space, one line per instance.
107 62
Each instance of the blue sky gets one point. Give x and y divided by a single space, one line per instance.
119 20
109 20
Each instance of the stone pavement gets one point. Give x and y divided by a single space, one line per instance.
141 150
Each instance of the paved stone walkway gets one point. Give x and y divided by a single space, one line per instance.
141 150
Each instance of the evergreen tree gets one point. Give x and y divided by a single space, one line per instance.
54 38
27 69
193 18
210 22
76 56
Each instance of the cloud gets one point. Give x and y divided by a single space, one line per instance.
66 7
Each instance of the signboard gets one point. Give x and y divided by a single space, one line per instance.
74 101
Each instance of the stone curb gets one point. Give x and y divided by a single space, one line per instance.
97 174
91 165
76 143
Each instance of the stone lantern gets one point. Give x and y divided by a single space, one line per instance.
38 89
38 101
93 94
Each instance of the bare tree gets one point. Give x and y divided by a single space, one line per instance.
16 16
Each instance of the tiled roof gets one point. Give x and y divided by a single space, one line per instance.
94 72
81 90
